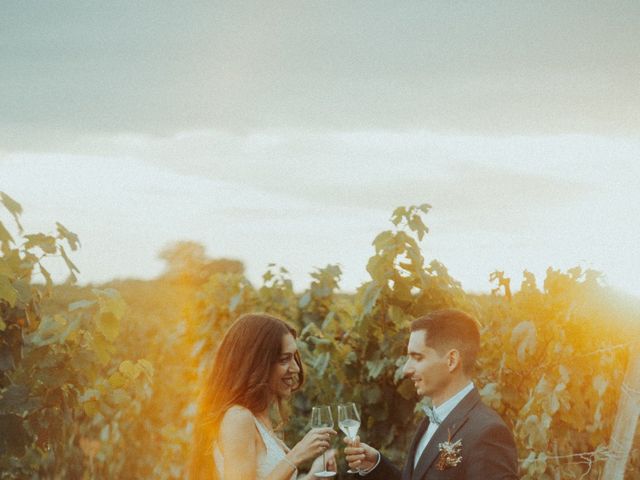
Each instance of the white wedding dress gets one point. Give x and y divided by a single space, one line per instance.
267 460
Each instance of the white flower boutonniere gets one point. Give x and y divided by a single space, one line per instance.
450 454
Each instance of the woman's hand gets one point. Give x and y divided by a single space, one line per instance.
314 443
317 465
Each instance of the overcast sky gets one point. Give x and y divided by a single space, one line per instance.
288 131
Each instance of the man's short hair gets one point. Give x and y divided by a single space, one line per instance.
447 329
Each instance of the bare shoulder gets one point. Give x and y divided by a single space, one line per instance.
237 421
237 442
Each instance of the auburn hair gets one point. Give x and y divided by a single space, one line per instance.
239 375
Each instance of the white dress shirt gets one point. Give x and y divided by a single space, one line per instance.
442 411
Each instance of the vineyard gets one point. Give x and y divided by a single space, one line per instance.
102 381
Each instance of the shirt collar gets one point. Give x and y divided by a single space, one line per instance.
444 409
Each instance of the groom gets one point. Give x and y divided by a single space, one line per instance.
461 438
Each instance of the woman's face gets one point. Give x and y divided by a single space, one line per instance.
284 373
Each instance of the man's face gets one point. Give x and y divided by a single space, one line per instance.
428 370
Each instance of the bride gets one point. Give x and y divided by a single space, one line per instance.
256 367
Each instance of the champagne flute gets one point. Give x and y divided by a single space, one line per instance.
349 422
321 418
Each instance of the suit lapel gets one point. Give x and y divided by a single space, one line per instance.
449 427
407 471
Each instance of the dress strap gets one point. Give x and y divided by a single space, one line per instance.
268 435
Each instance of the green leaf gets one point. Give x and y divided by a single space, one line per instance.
47 277
382 240
38 358
14 437
376 368
120 397
5 236
54 377
371 297
320 341
373 395
321 363
103 348
310 329
305 299
89 394
14 208
53 329
6 357
117 380
397 316
15 400
147 368
46 333
91 407
524 337
377 268
327 320
398 214
46 243
81 305
23 287
425 207
109 325
322 292
110 301
600 384
70 265
6 270
235 301
491 394
7 292
130 369
417 225
70 237
266 276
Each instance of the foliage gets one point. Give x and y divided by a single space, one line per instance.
552 361
63 397
187 263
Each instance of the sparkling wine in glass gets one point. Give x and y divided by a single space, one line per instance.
321 418
349 422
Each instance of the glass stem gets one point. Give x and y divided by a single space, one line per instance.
353 440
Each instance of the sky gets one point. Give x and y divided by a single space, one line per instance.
287 132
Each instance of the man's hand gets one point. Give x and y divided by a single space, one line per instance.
360 456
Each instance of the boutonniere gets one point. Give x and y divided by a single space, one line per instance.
450 454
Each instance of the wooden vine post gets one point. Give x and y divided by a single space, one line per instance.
624 427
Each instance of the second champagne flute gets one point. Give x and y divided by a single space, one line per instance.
321 418
349 422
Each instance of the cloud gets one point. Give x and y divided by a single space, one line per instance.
468 178
489 67
307 199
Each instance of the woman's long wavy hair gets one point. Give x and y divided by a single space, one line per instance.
239 376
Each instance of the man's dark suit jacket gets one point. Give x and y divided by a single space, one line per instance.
488 448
